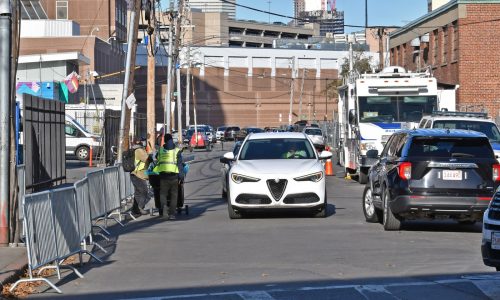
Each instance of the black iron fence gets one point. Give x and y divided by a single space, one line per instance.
44 142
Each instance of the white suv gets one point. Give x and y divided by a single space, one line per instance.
490 246
466 121
276 171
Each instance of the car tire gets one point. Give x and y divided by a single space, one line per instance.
372 214
390 221
224 194
497 268
82 153
324 209
363 175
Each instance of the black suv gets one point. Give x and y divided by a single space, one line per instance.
431 173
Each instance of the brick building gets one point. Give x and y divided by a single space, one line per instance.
458 42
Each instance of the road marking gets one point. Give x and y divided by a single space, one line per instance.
368 290
257 295
487 284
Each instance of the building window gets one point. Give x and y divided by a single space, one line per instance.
61 10
435 39
454 44
444 45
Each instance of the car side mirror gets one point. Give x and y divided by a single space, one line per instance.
352 116
372 153
227 158
324 155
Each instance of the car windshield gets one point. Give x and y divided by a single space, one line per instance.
313 131
190 132
277 148
488 128
389 109
450 147
221 128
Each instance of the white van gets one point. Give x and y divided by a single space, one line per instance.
79 140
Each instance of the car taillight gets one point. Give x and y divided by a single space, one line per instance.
496 172
404 169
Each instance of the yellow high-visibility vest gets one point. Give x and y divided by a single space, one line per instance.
167 161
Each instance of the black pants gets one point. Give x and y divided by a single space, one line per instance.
169 185
141 192
154 180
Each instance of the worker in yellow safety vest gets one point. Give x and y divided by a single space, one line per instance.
139 178
169 168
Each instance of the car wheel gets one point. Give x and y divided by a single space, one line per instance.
372 214
82 153
390 221
497 268
363 175
323 212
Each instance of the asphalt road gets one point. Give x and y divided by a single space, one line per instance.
205 255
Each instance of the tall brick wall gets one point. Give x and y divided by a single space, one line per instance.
479 58
249 101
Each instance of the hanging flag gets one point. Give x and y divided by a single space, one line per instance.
71 82
35 87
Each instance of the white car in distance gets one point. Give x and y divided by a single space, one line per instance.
277 171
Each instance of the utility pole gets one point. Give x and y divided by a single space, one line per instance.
178 42
179 104
366 14
188 85
5 110
380 33
168 94
129 76
304 72
150 109
326 100
292 87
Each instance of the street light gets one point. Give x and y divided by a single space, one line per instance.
92 31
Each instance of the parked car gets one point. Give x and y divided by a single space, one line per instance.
208 130
431 173
278 171
466 121
226 166
490 246
219 134
230 133
79 140
203 142
316 136
242 134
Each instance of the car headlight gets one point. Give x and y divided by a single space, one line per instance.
238 178
314 177
367 146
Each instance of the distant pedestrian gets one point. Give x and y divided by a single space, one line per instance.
140 178
169 167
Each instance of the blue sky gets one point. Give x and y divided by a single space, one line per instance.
380 12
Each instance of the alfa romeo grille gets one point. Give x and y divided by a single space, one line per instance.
277 188
494 210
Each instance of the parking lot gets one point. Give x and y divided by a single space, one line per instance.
205 255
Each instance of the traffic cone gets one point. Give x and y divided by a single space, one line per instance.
328 167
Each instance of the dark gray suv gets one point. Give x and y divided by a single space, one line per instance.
431 173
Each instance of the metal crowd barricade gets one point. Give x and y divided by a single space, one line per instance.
97 201
112 192
85 222
43 241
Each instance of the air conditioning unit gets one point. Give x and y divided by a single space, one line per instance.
329 35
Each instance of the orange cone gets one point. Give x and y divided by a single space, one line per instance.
328 167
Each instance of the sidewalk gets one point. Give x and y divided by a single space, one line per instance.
13 261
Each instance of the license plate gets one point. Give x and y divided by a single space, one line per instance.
452 175
495 240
